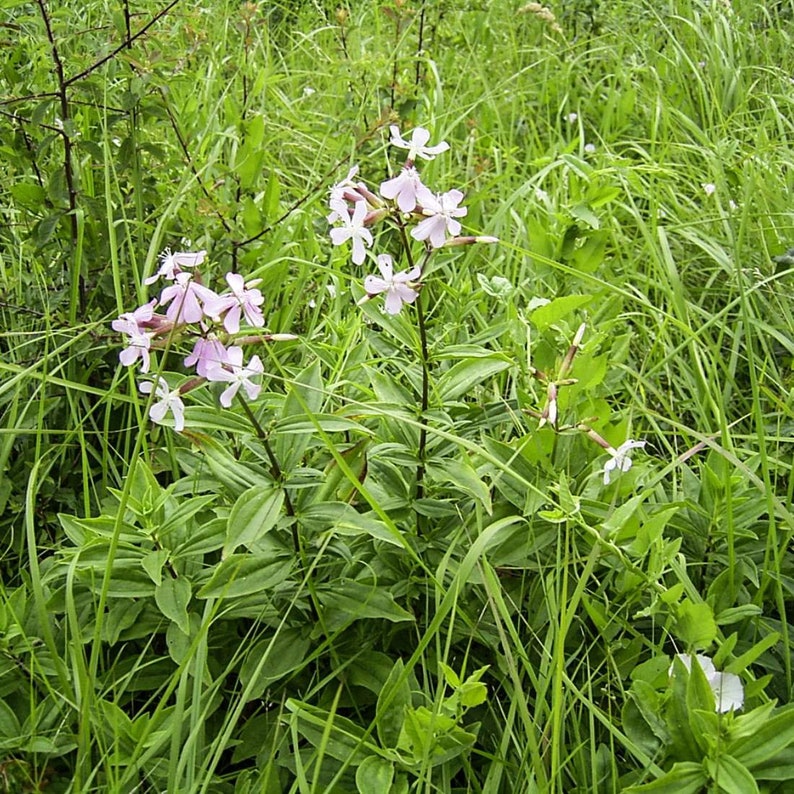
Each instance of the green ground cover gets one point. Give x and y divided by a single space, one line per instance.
400 566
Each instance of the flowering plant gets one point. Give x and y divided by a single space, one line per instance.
210 319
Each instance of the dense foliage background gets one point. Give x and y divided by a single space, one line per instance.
470 607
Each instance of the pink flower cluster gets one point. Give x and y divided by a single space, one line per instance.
405 201
199 312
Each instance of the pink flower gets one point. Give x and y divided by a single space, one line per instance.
138 339
244 299
186 297
404 188
172 264
353 228
417 145
441 209
207 352
169 401
397 286
232 371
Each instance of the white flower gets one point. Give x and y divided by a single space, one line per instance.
353 228
404 188
417 145
232 371
727 687
571 117
172 263
169 401
396 285
620 458
441 209
590 148
708 188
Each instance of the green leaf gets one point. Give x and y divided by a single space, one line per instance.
731 776
272 659
695 626
340 737
552 312
9 722
172 597
289 447
685 777
243 574
393 699
767 741
356 601
254 514
374 774
463 476
461 377
153 564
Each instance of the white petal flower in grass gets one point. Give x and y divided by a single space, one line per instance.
169 401
727 687
233 372
417 146
243 299
353 228
397 286
403 188
441 211
171 264
620 459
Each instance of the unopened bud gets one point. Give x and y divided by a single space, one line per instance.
469 240
373 217
281 337
191 384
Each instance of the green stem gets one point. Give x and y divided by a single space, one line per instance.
278 475
425 358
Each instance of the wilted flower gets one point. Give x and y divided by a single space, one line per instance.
620 458
353 228
172 263
417 145
727 687
169 401
397 286
441 209
232 371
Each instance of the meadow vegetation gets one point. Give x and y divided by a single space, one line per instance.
413 553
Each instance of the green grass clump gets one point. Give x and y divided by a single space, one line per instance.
396 569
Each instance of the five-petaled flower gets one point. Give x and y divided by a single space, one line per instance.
417 146
620 458
139 340
243 299
207 352
397 286
233 372
186 297
171 264
404 188
353 228
169 401
727 687
441 209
